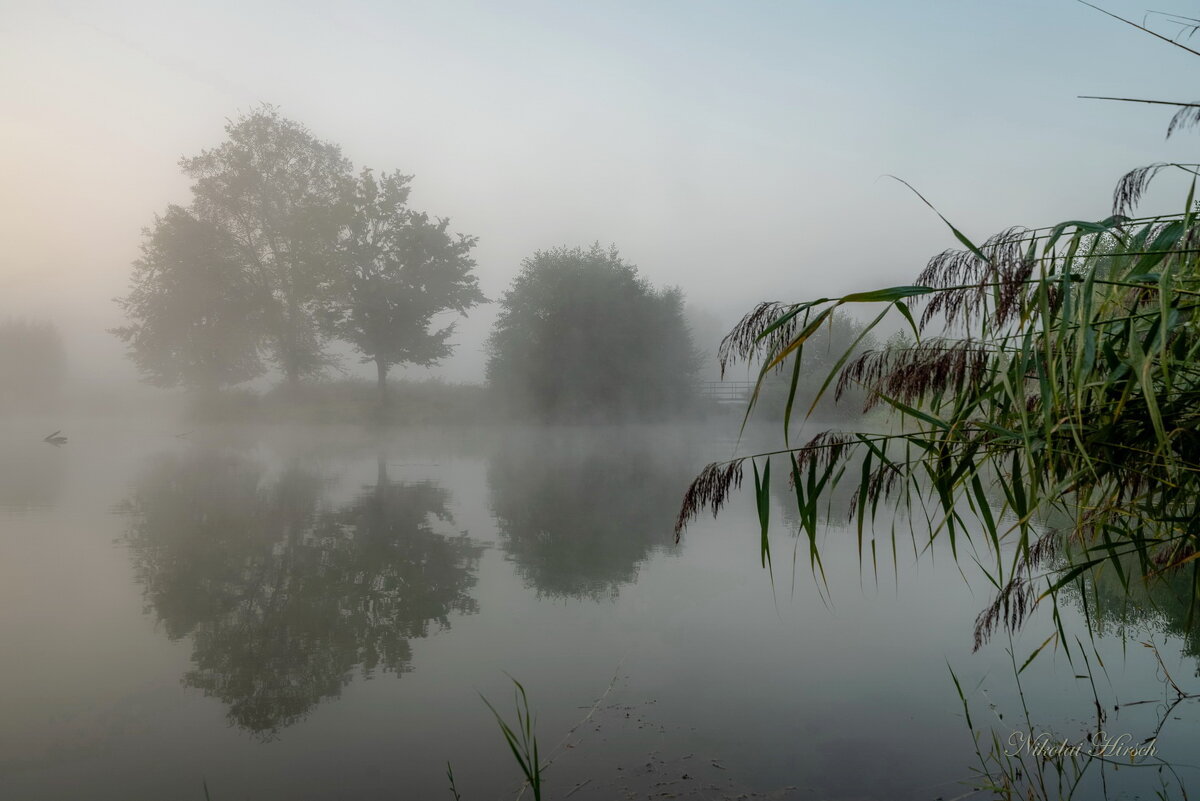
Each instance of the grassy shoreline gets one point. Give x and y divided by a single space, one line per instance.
411 402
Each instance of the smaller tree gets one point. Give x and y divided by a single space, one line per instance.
581 334
195 310
403 269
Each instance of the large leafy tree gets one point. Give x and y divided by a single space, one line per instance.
280 195
402 270
581 334
260 242
195 312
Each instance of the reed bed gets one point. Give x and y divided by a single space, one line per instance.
1046 411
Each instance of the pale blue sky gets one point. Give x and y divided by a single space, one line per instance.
734 149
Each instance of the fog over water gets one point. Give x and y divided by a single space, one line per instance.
355 359
310 613
735 152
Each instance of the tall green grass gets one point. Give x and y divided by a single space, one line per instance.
521 739
1046 411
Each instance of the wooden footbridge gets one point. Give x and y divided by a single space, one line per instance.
726 392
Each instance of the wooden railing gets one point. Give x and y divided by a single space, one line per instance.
726 391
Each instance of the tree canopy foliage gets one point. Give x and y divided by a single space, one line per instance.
195 311
580 334
403 269
281 250
280 195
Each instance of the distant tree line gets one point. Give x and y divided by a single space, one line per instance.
285 249
33 363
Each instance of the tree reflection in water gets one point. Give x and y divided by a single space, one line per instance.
578 512
284 599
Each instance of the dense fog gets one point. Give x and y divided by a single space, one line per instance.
733 154
369 368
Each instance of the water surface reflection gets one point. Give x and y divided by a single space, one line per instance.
31 475
285 597
579 513
284 565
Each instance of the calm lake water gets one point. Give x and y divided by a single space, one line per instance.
289 613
